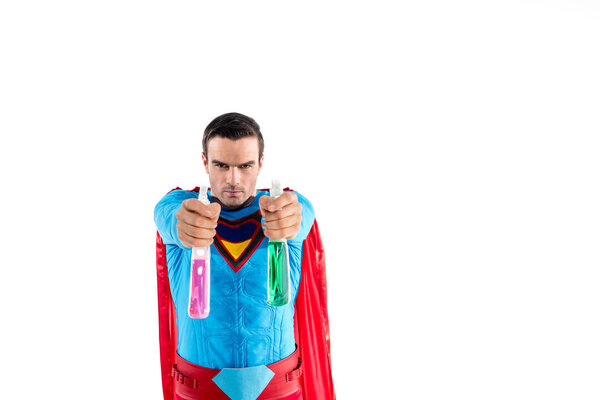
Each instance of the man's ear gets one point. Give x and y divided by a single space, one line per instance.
205 162
260 162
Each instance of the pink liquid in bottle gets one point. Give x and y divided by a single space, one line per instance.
199 301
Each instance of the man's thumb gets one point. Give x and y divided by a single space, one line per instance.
215 209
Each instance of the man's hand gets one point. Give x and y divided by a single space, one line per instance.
196 222
282 216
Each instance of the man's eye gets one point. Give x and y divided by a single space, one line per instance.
221 166
245 166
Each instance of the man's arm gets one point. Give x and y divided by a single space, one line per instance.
165 216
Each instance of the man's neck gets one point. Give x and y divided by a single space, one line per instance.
246 203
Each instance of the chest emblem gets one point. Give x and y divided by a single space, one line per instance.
237 240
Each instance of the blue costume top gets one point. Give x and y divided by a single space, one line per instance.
242 330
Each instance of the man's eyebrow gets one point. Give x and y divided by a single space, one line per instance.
251 162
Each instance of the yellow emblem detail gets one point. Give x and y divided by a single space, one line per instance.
236 249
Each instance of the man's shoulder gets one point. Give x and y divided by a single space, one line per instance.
182 193
176 195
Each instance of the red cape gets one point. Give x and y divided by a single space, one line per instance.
311 321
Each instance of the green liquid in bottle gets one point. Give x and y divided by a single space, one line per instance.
279 274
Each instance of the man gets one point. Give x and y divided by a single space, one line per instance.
245 349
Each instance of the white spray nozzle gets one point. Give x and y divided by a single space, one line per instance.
276 190
203 195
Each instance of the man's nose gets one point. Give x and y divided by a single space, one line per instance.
233 176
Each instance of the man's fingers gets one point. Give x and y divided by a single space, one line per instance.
196 220
196 206
282 223
193 205
189 241
286 211
215 208
272 205
282 216
283 200
195 232
264 202
286 233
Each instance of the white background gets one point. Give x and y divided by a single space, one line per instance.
449 148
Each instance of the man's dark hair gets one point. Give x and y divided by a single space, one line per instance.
232 126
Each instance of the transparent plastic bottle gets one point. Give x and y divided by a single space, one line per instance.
199 299
279 264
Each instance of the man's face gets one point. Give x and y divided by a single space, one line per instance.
232 167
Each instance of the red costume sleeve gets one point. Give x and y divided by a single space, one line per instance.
311 321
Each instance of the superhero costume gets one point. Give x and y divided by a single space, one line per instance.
242 330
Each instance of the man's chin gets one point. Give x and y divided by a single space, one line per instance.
232 201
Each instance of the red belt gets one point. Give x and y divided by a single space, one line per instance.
193 382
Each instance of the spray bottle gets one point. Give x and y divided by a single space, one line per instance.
279 264
199 300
